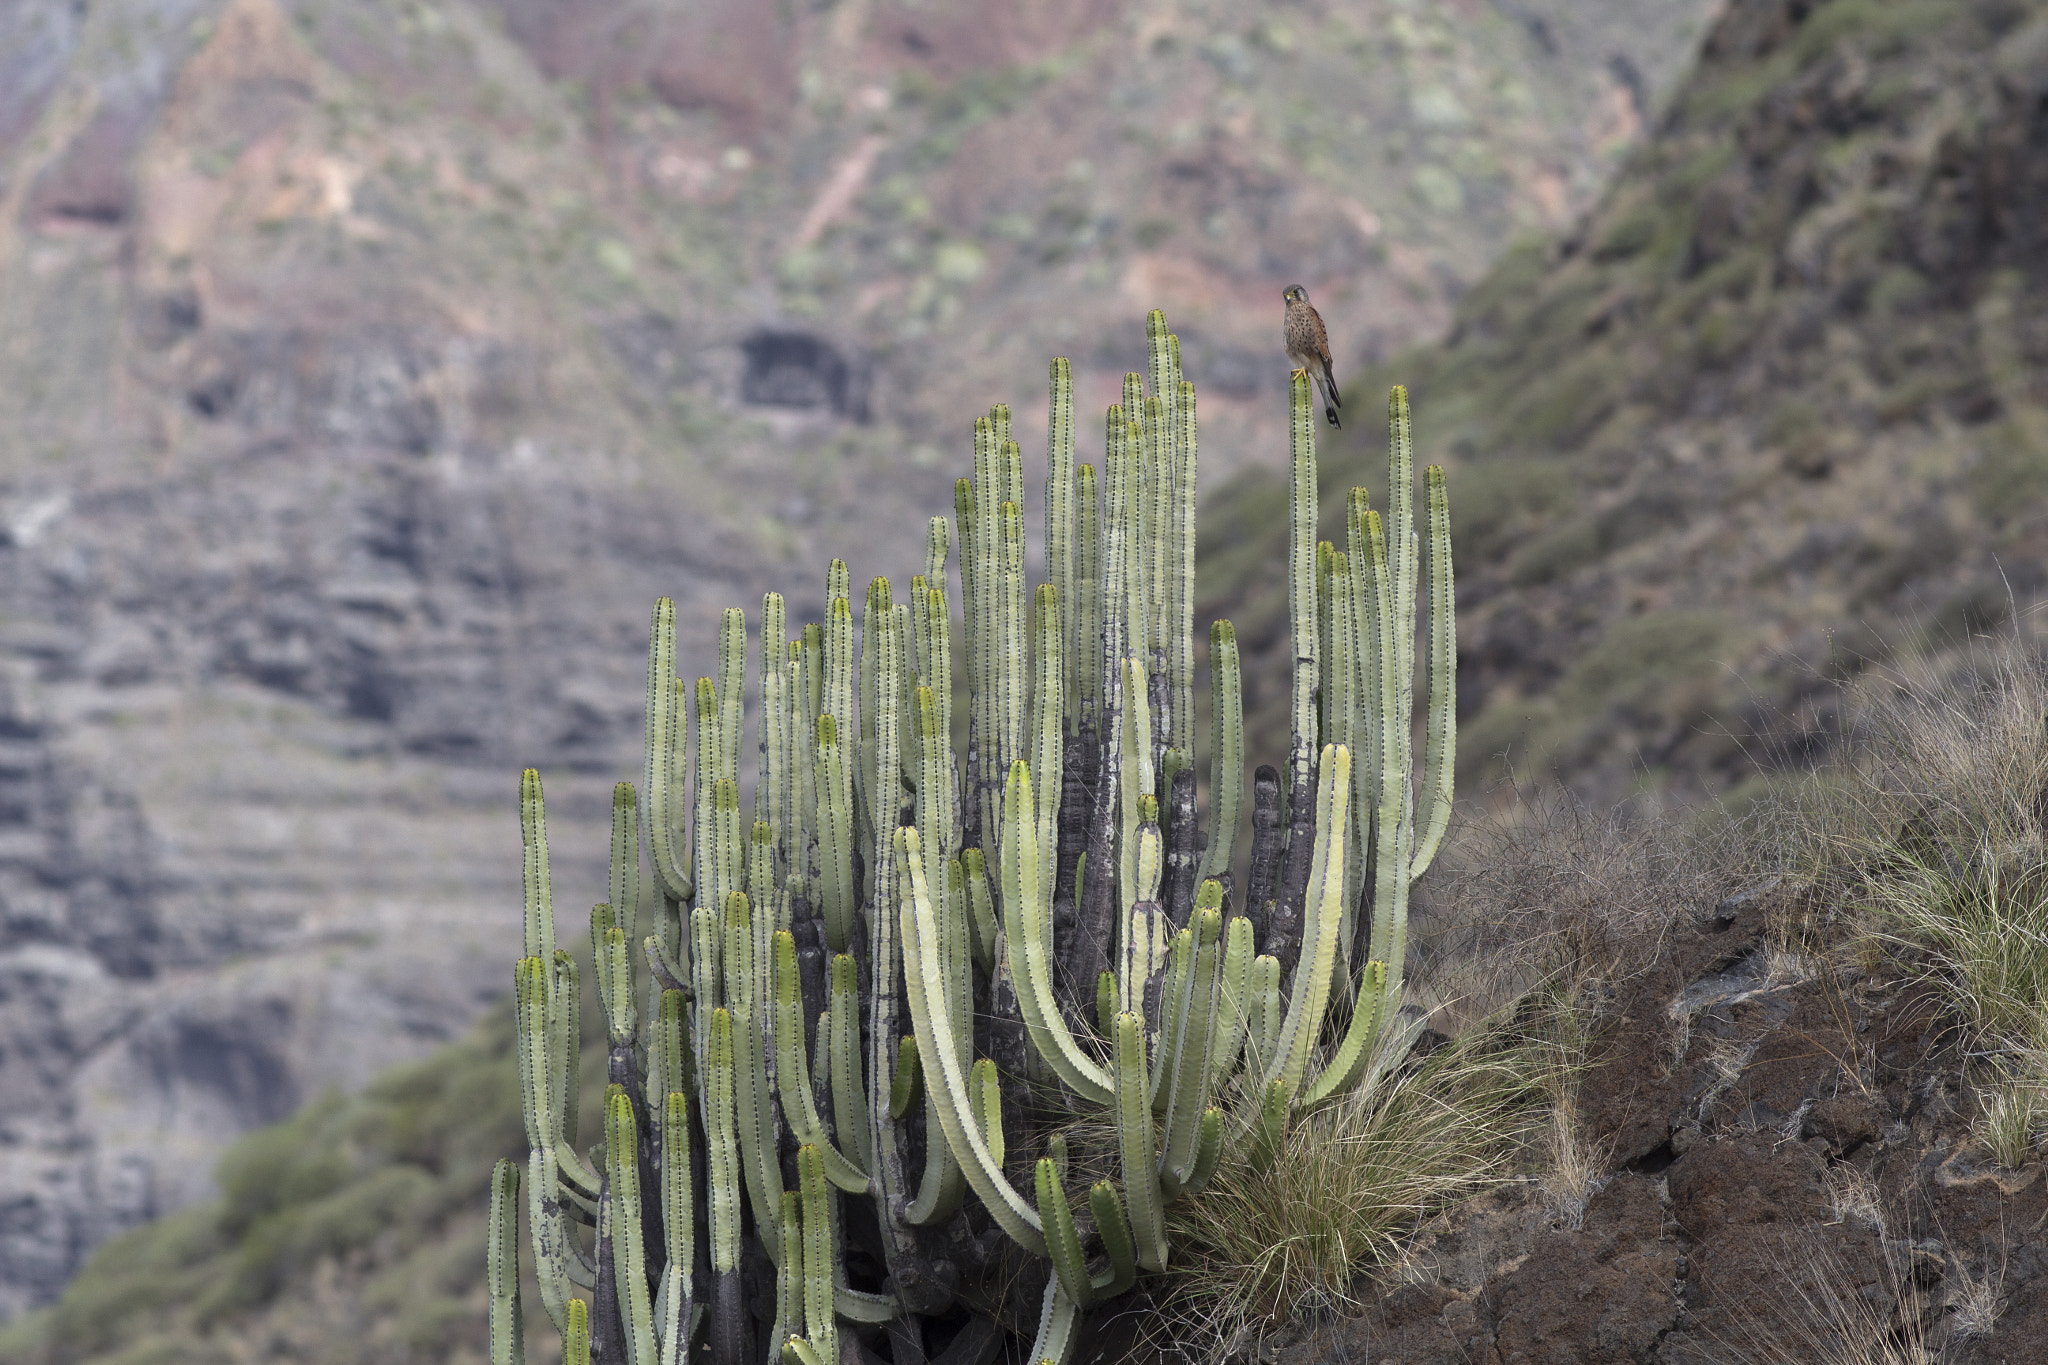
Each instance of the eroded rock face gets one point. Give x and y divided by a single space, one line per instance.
299 564
257 739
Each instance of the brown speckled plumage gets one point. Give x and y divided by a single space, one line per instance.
1308 346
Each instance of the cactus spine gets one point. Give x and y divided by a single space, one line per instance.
766 1083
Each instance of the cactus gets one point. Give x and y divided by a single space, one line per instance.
785 1131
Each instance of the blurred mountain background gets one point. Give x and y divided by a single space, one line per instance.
367 369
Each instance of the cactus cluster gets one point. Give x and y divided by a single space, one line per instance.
876 996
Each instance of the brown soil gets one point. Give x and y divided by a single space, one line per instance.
1727 1230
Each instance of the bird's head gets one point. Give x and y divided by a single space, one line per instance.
1294 293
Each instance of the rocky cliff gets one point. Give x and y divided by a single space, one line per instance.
368 366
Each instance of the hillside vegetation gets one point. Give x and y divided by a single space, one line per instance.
1774 412
351 1232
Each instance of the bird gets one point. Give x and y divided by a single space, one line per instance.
1308 346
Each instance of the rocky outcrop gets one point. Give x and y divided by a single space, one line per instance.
1790 1174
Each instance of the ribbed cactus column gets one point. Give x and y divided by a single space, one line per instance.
881 985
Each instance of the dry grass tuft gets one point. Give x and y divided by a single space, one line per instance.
1929 841
1258 1249
1575 1167
1976 1298
1981 916
1550 888
2012 1118
1854 1197
1820 1308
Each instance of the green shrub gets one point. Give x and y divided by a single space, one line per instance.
2011 477
1559 551
1638 659
1505 496
134 1277
274 1168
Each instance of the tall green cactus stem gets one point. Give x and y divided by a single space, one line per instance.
940 1191
1440 755
1226 771
769 793
665 832
1189 1048
675 1305
1390 600
1061 1235
540 900
819 1255
622 1211
1137 1142
501 1265
1096 902
576 1335
720 1129
1136 781
1088 627
707 773
1180 512
849 1098
1135 585
939 1049
1059 514
891 946
1284 922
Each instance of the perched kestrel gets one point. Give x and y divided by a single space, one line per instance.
1308 346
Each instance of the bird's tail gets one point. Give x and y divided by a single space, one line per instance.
1329 383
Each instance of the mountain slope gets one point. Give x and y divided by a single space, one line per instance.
1772 413
352 1231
